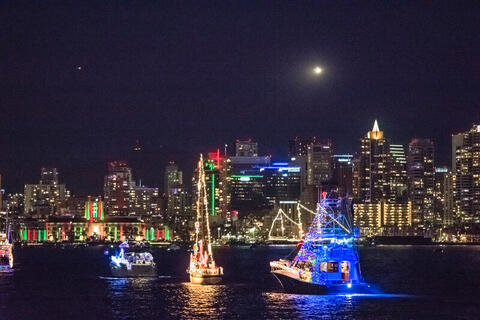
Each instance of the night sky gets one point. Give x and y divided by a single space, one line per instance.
80 81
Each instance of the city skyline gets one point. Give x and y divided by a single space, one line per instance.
151 72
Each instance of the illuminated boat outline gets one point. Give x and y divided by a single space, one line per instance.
327 261
202 269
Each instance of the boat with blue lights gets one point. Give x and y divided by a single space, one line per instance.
203 269
327 261
132 264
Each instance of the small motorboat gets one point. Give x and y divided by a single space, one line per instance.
133 264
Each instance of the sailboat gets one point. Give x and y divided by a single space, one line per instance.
327 261
203 269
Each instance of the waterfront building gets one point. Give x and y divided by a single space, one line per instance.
46 197
119 189
94 209
421 176
76 229
467 176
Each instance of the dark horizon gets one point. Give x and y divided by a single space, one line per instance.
80 82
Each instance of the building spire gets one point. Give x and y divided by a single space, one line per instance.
375 126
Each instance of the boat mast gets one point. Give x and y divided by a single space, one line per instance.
202 208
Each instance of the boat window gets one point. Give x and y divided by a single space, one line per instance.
332 266
323 267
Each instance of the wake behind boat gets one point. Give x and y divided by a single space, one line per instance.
203 269
327 261
133 264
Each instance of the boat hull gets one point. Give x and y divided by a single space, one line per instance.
135 272
297 286
205 279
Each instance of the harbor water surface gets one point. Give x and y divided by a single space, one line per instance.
416 282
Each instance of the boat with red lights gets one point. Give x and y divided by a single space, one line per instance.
327 261
6 252
203 269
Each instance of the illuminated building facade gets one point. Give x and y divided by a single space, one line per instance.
319 163
47 197
57 229
146 201
173 177
94 210
421 176
119 189
467 176
281 182
443 196
244 182
380 187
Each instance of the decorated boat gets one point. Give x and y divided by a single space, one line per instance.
202 269
132 264
6 252
327 260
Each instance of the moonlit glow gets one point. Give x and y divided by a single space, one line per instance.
317 70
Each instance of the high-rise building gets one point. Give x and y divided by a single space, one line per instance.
421 176
179 210
48 196
246 148
467 176
319 163
244 183
343 173
146 201
298 147
119 189
371 167
173 176
443 196
380 182
281 183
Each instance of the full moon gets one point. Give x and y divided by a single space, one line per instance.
317 70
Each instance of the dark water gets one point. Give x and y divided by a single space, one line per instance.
417 283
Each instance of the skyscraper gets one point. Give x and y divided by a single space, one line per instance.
47 196
173 176
343 173
467 176
119 189
421 176
380 184
319 163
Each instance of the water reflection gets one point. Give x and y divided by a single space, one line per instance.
203 301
